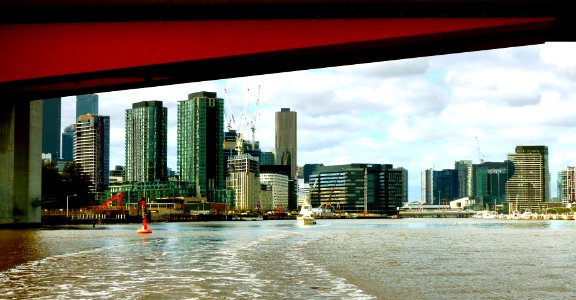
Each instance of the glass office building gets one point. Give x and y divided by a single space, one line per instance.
51 119
86 105
68 144
372 188
491 180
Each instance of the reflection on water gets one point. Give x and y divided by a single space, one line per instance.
17 246
342 259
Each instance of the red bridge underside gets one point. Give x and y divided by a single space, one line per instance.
62 59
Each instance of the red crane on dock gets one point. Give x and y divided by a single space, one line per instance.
117 197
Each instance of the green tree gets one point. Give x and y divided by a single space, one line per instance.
52 187
77 183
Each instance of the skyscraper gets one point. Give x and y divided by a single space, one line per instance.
92 149
200 153
146 142
529 184
286 139
51 119
86 104
68 144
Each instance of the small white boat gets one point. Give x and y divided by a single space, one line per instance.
306 216
485 215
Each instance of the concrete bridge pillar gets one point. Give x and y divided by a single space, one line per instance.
20 163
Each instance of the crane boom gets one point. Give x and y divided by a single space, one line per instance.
117 197
480 156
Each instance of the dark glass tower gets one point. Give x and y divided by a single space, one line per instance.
51 119
68 144
309 169
86 104
445 186
200 151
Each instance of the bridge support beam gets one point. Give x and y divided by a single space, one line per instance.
20 163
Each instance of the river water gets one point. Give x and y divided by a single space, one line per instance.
422 258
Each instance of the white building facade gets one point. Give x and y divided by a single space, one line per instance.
279 185
244 178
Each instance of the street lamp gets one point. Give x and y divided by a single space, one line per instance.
67 204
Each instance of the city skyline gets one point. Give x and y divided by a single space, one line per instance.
414 113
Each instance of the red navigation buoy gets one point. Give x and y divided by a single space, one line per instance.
144 228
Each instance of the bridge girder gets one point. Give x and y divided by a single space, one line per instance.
58 48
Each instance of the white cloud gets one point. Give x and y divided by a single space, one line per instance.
560 55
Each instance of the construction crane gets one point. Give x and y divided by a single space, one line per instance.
480 156
243 123
117 197
254 118
231 122
228 116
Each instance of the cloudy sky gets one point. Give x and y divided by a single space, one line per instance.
415 113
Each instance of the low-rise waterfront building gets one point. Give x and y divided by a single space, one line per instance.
150 191
266 198
372 188
279 185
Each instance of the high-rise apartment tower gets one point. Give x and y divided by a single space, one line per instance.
92 149
200 153
529 184
567 185
146 142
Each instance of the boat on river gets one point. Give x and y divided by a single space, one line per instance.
306 215
485 215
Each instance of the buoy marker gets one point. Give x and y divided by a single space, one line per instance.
144 228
